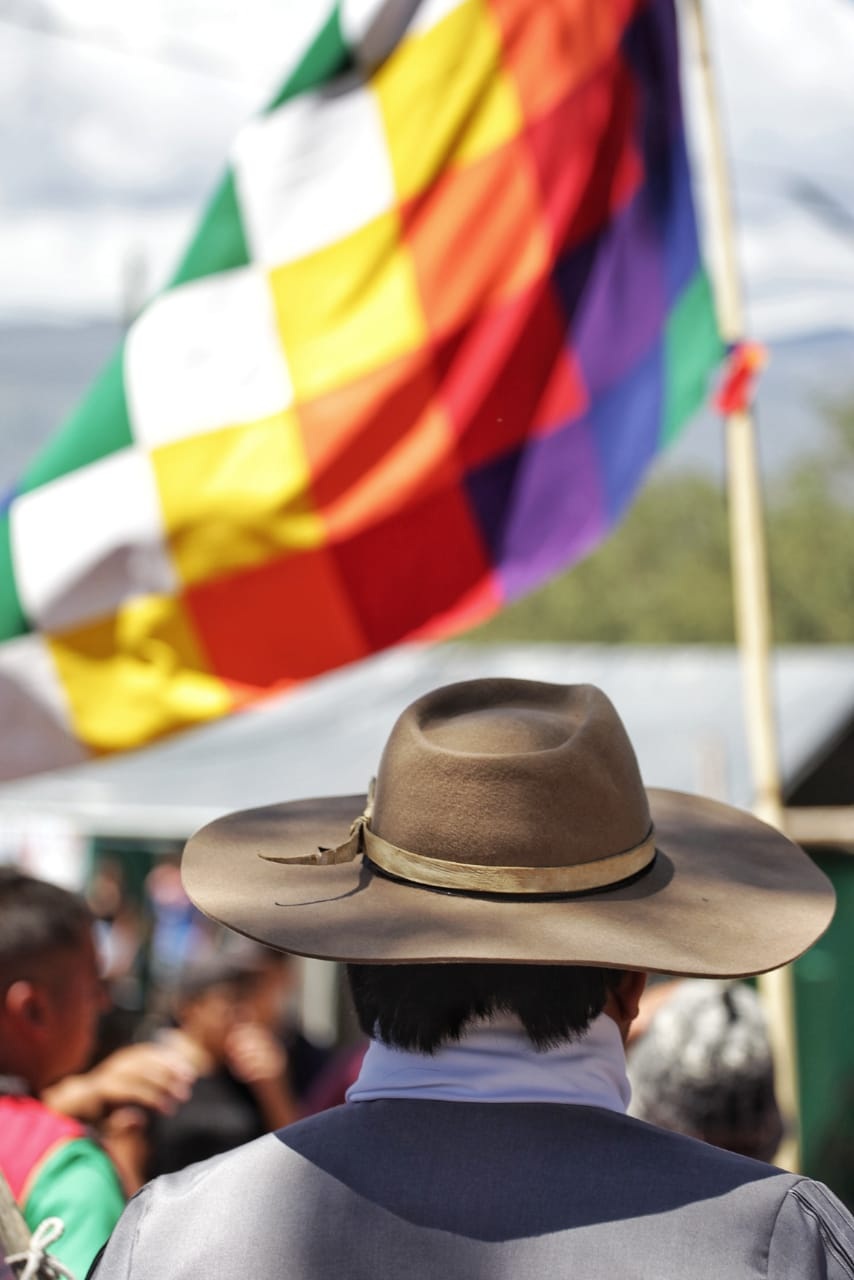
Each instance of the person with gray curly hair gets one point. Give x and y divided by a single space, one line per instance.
705 1068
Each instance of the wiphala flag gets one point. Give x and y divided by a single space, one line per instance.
445 307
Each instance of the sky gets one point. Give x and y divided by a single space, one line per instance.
116 119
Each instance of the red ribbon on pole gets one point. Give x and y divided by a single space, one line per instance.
746 361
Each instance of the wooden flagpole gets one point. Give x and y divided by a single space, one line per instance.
750 577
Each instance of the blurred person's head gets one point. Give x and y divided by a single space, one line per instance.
51 993
217 991
105 893
269 998
704 1068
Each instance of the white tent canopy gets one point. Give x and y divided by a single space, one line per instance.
682 707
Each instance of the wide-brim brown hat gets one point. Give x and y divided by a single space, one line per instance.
508 823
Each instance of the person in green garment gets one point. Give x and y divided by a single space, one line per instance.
51 996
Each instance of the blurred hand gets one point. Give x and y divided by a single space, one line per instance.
254 1055
152 1076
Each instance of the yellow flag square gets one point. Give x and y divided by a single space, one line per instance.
136 675
236 497
348 308
445 97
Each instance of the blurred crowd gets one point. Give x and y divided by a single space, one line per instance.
136 1038
211 1021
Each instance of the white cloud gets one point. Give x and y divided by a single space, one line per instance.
117 124
118 119
786 92
82 261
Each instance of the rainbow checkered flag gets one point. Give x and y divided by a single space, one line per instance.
443 310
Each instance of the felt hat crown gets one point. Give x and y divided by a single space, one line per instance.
509 823
510 788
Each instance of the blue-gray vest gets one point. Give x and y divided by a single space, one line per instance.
431 1190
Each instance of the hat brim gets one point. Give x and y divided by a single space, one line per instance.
726 896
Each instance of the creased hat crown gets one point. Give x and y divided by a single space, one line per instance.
510 773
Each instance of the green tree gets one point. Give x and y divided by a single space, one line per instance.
811 543
663 576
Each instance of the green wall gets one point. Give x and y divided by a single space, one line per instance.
823 994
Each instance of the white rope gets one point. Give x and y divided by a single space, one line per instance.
37 1263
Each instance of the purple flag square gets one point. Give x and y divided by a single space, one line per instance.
621 308
541 507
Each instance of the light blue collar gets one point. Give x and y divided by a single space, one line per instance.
495 1061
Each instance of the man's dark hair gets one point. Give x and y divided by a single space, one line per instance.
36 918
424 1006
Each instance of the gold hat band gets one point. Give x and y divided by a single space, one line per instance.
477 878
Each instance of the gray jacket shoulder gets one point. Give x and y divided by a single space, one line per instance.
813 1235
379 1189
